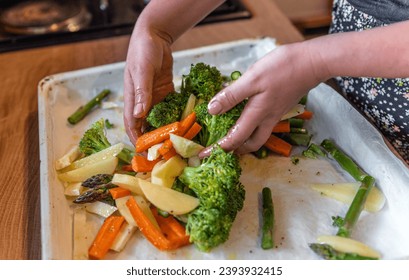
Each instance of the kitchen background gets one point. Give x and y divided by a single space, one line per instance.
37 23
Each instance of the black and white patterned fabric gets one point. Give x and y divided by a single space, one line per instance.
384 101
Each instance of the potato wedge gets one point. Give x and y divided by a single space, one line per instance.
166 199
345 192
348 245
66 160
112 151
190 105
165 172
106 166
100 208
185 147
295 111
128 182
125 233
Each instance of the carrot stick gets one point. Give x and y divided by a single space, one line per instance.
119 192
185 125
278 146
147 140
172 152
281 127
152 233
105 237
187 122
193 131
172 229
306 115
142 164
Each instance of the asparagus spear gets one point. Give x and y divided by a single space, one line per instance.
267 237
346 225
313 151
344 160
82 111
99 193
327 252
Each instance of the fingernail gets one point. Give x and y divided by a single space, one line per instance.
138 110
214 107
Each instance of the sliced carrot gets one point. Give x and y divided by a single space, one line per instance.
119 192
306 115
278 146
127 167
105 237
282 127
166 147
187 123
152 233
193 131
172 229
147 140
172 152
142 164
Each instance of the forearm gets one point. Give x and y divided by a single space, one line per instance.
174 17
379 52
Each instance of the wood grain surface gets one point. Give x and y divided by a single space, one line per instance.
20 72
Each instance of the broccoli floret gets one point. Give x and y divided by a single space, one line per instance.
214 127
95 140
167 111
221 195
203 80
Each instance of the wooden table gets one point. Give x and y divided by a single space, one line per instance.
20 72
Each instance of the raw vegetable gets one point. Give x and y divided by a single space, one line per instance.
111 151
191 102
267 236
306 115
105 237
119 192
98 193
128 182
97 180
345 192
165 172
84 110
295 111
125 233
167 199
73 189
279 146
100 208
185 147
73 154
106 166
147 140
282 126
142 164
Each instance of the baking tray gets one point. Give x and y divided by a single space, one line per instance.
301 214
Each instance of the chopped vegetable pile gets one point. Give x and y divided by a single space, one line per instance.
174 198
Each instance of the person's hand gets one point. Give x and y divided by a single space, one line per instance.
273 85
147 77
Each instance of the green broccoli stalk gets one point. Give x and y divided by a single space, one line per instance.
203 80
214 127
216 183
167 111
95 140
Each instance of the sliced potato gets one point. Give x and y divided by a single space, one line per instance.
153 152
112 151
295 111
165 172
66 160
100 208
73 189
348 245
124 234
124 210
169 200
185 147
190 105
345 192
106 166
128 182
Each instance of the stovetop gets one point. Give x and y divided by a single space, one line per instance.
106 19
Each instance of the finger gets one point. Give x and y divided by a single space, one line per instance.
231 96
131 125
142 79
258 138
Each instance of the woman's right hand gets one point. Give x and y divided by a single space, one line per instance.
147 77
